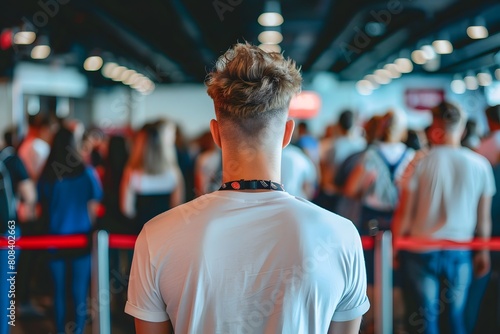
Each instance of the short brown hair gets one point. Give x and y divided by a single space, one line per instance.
449 115
249 83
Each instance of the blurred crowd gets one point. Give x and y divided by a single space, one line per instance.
376 172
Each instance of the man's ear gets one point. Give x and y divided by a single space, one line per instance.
214 129
287 137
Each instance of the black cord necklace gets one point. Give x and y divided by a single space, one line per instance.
252 185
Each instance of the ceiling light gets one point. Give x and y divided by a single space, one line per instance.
133 78
40 52
270 19
404 65
24 37
458 85
117 72
373 80
107 69
477 32
393 71
270 37
93 63
429 52
471 82
366 84
418 57
382 76
270 47
442 46
362 88
484 79
126 75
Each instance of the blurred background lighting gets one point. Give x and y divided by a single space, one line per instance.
93 63
270 19
477 32
394 72
484 79
418 57
24 37
270 47
40 52
270 37
471 82
442 46
404 65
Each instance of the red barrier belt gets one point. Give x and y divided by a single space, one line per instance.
50 241
124 241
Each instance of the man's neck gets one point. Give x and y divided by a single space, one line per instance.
251 167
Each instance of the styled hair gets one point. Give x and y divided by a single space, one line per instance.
154 148
393 126
248 83
64 159
346 120
448 115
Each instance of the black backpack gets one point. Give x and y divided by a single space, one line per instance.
7 199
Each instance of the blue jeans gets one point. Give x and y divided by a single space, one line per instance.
438 281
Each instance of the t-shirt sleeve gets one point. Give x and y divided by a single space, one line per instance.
144 298
489 185
354 302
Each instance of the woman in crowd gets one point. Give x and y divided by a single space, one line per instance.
152 181
376 181
68 192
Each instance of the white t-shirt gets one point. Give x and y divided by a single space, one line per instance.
139 183
248 262
490 148
297 169
448 184
343 147
34 152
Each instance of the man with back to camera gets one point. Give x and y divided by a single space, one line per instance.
249 258
449 198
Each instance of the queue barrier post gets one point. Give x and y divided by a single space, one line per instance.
383 283
100 283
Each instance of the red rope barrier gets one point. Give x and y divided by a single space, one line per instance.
124 241
49 242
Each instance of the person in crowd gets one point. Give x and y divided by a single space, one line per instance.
298 173
35 147
346 144
69 212
308 143
207 166
490 145
33 151
479 285
470 138
449 198
152 181
248 257
186 162
15 185
376 182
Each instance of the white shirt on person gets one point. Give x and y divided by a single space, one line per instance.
34 152
447 185
136 182
297 170
248 262
343 147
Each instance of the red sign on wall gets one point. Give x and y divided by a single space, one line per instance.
423 99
